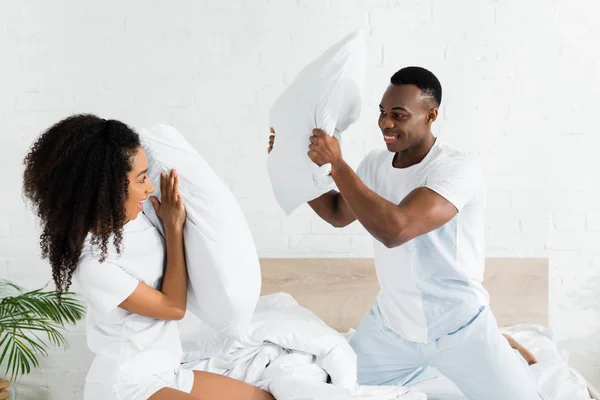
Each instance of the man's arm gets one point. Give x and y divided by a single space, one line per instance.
333 209
421 211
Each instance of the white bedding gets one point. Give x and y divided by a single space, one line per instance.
287 351
291 353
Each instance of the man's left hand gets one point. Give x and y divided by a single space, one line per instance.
323 148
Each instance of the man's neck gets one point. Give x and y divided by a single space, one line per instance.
414 154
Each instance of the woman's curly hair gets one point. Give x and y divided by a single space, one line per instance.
76 177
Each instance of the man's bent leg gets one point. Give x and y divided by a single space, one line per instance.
383 356
481 363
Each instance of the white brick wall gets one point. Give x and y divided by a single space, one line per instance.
520 90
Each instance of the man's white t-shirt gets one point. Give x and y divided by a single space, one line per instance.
432 285
126 345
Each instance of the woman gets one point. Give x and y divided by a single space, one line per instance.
87 179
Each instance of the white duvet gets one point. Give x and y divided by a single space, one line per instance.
293 354
289 352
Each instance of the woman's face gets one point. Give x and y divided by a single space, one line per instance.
140 186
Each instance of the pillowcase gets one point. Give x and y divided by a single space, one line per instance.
326 94
222 262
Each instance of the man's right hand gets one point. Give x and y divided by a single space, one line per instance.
271 141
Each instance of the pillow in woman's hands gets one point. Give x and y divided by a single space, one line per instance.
222 262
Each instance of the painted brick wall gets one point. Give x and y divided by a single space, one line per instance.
520 91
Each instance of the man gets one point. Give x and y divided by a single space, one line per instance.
423 203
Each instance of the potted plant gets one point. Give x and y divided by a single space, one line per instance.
30 322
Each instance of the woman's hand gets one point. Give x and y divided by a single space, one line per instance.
170 210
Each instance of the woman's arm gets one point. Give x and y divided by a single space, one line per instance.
170 302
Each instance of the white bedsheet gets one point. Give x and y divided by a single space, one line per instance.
290 352
555 379
287 351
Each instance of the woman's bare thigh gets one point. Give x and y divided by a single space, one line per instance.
209 386
171 394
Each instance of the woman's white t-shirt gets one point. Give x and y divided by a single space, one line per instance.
126 344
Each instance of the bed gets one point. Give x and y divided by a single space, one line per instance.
341 291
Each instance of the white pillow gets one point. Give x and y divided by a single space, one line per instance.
327 94
222 262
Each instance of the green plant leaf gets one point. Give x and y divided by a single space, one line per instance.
70 310
26 314
9 287
4 342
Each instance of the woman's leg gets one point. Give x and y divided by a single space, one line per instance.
172 394
209 386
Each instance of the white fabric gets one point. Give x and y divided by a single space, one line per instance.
289 352
222 263
126 343
431 285
141 388
326 94
555 379
477 359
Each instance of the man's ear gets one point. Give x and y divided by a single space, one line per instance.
432 115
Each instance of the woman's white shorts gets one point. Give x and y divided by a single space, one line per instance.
140 388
